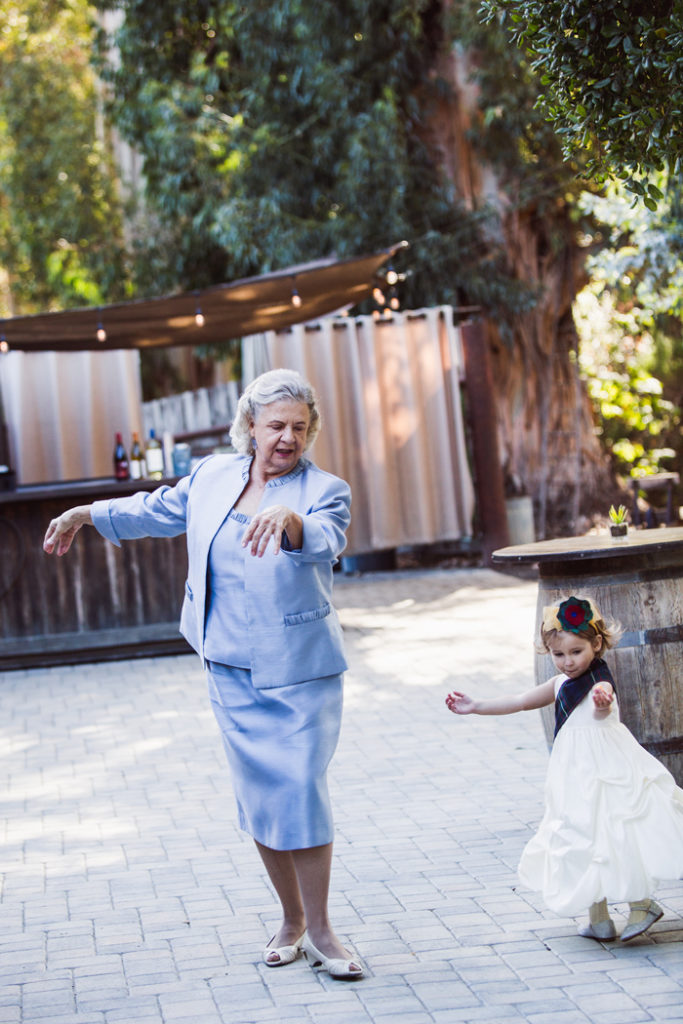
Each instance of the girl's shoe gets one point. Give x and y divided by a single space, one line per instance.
278 956
336 967
603 931
652 914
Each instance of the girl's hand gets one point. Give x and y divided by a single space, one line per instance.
602 697
271 524
460 703
62 530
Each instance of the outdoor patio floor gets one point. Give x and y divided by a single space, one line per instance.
129 896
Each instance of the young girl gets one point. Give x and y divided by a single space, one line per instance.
613 823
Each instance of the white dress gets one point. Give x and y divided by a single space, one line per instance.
613 822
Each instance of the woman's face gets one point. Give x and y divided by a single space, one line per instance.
573 654
280 431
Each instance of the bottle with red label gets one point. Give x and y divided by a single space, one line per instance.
121 466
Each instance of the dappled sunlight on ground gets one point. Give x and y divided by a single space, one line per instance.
475 622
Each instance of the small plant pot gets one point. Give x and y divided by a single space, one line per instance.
618 531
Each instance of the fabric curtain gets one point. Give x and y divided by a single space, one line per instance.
63 410
392 421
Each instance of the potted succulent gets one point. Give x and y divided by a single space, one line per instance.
618 526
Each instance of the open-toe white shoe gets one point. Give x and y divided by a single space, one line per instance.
278 956
336 967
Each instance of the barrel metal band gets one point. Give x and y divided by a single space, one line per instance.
650 637
659 748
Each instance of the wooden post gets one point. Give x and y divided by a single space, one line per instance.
487 469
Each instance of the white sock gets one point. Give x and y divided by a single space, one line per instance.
598 912
639 910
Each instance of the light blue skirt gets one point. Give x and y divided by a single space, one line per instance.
279 742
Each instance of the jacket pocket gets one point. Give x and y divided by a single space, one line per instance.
297 618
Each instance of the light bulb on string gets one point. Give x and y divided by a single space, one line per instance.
376 315
296 298
392 276
199 318
394 302
101 334
4 345
378 296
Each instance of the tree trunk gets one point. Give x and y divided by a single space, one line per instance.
548 443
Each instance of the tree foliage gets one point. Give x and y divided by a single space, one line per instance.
59 211
640 254
612 75
272 133
631 323
280 131
632 390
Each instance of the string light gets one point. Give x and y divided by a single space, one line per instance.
296 298
199 318
101 333
378 296
4 344
394 302
392 276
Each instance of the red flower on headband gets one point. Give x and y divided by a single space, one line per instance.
574 614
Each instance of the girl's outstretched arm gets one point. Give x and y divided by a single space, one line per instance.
539 697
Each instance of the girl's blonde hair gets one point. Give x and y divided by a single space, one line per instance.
273 386
579 615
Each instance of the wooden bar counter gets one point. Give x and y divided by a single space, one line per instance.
98 601
638 582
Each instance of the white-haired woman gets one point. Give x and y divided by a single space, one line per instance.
264 529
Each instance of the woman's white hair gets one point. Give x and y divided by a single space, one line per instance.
272 386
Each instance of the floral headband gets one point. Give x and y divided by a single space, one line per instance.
572 616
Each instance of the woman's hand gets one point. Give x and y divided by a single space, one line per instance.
271 524
460 703
63 529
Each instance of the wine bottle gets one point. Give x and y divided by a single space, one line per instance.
138 468
154 457
121 467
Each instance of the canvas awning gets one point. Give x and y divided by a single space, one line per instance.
249 306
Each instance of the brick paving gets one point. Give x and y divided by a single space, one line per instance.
128 895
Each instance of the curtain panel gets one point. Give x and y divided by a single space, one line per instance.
393 426
63 410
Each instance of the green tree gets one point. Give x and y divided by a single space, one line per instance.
631 323
279 131
612 75
60 218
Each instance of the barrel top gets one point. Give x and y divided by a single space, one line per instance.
601 545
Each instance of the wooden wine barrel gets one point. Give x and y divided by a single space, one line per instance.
639 584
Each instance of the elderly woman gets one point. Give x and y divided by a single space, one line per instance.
264 529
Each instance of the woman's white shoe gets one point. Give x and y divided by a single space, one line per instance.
336 967
278 956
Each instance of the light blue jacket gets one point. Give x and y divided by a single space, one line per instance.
294 632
